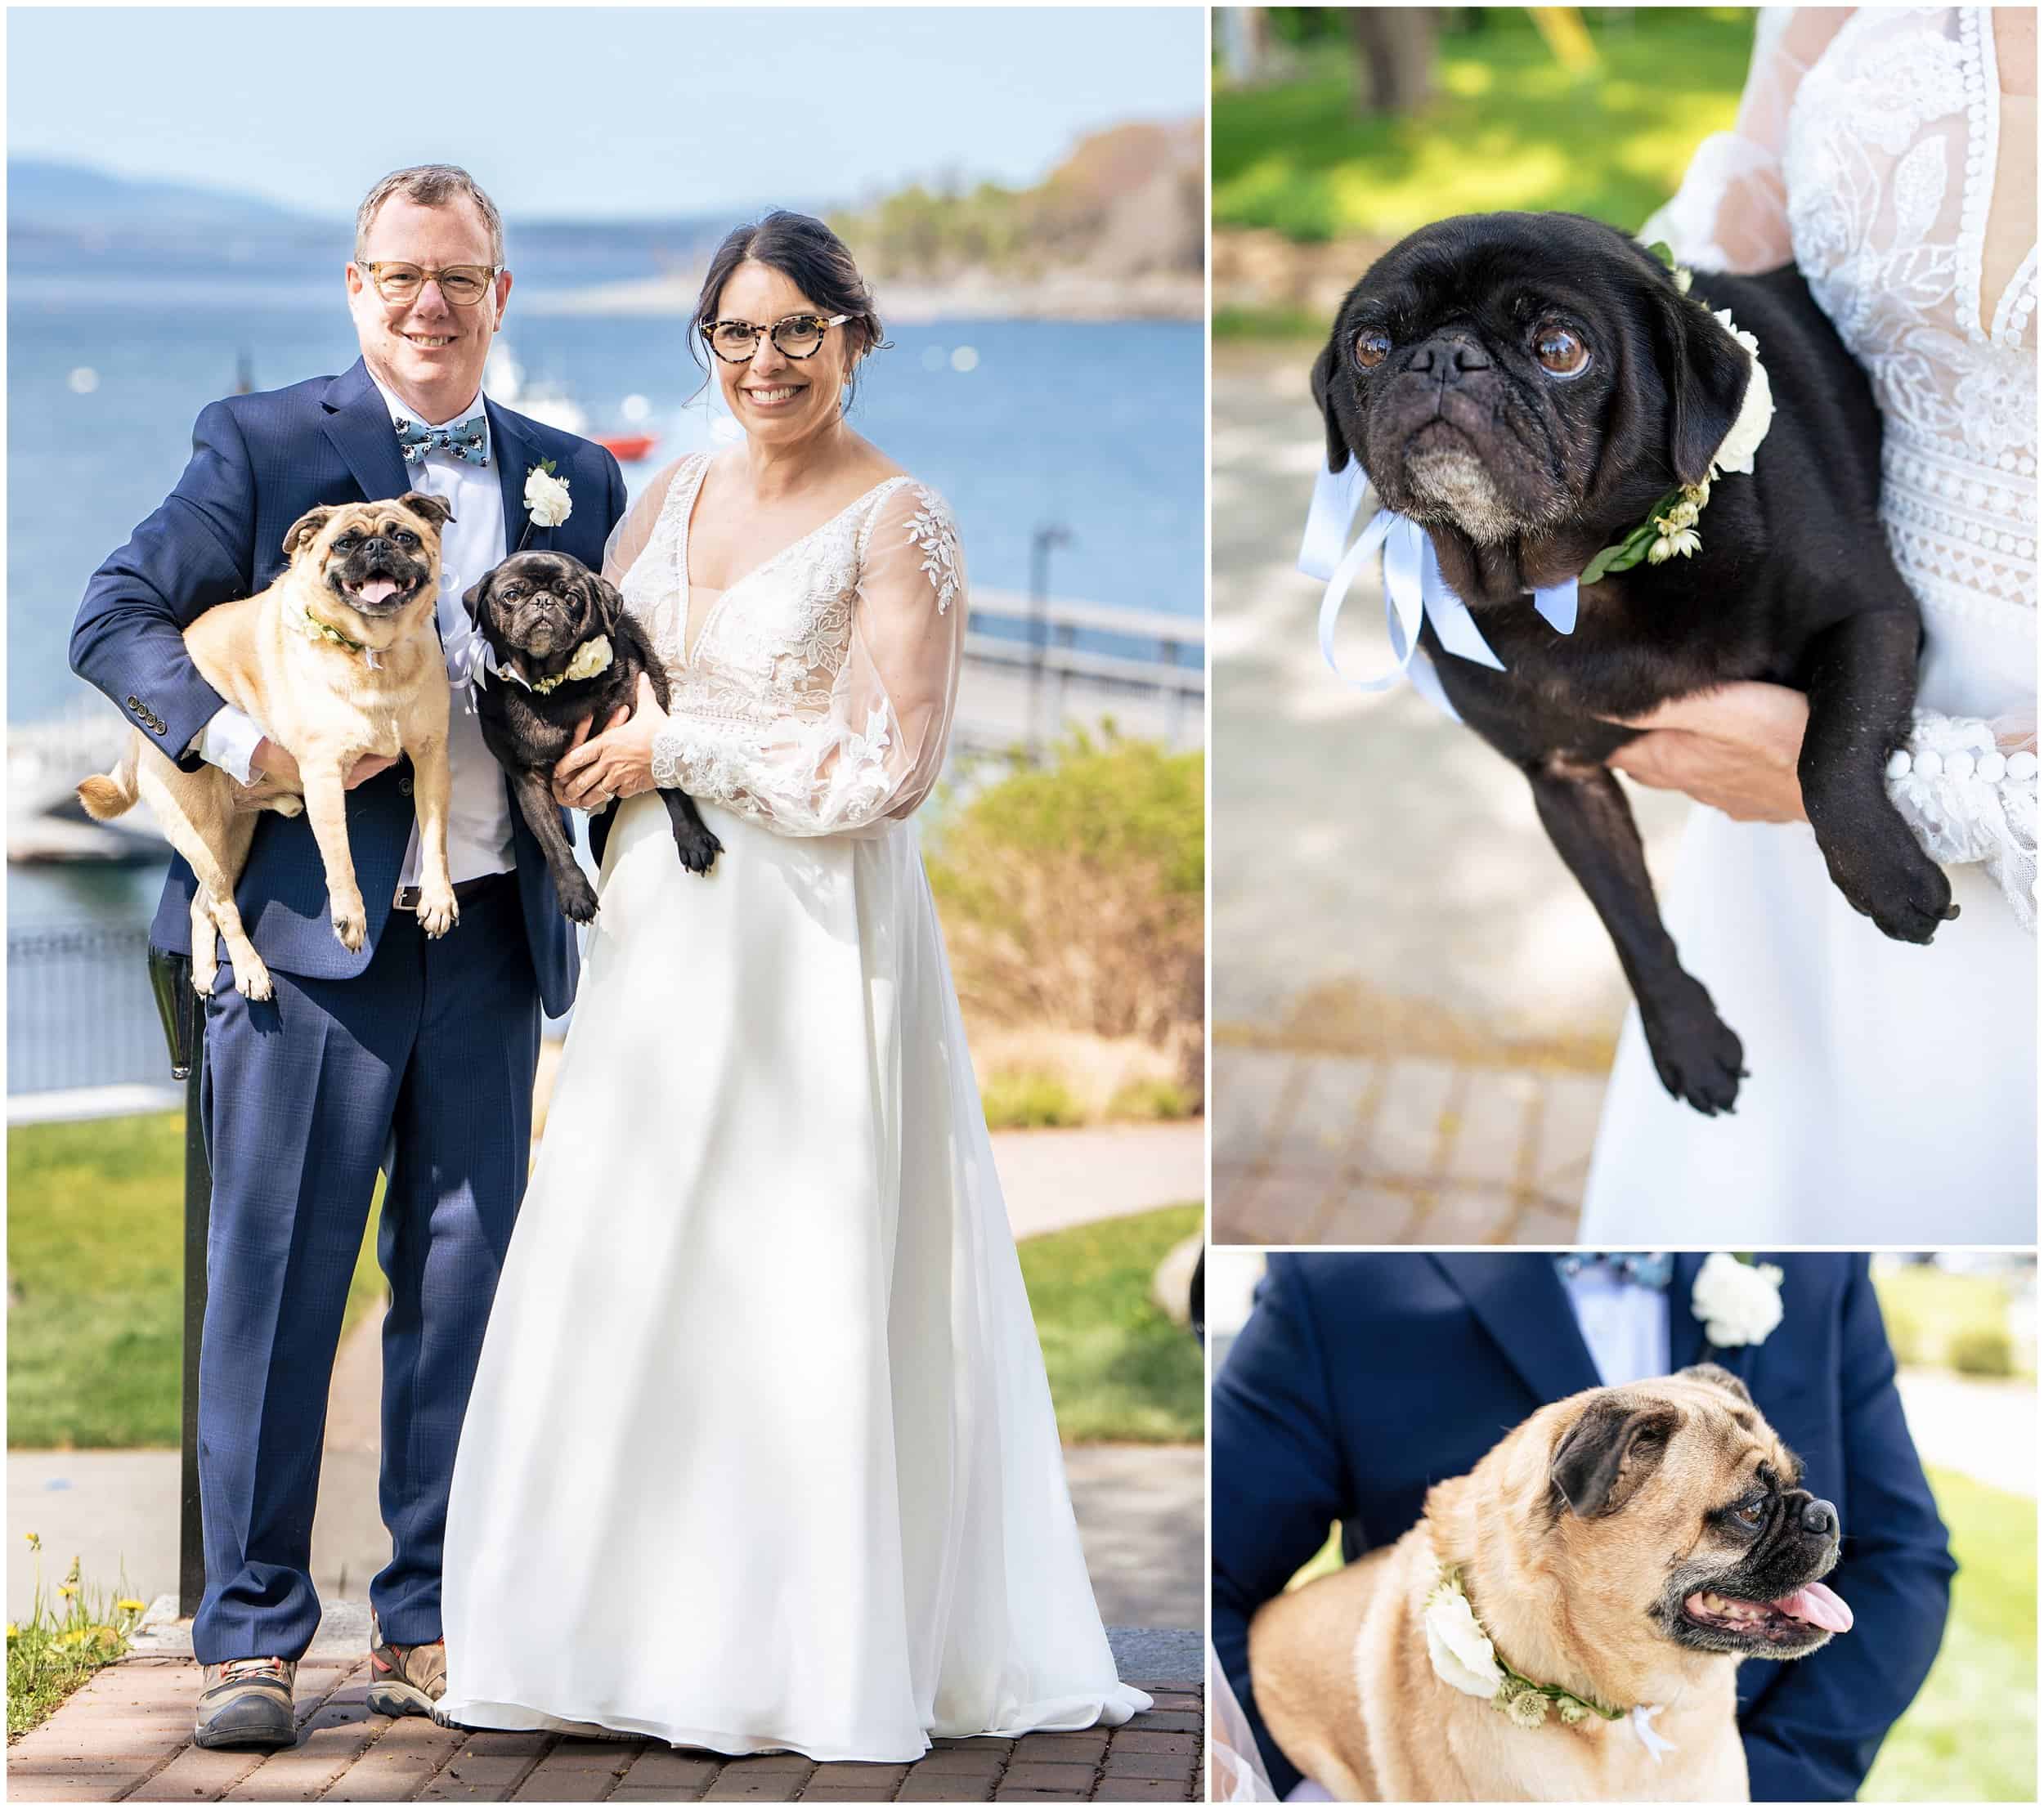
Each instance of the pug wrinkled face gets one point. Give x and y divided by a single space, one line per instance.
543 605
376 560
1505 374
1704 1502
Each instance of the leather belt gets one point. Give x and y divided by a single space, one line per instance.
407 898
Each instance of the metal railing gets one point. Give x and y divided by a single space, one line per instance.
80 1013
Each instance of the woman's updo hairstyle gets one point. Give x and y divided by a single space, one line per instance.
814 258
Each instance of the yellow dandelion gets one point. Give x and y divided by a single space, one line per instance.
129 1605
14 1633
34 1543
67 1589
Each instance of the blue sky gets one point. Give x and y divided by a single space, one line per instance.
590 111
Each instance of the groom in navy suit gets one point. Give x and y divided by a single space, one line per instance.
1360 1380
424 1048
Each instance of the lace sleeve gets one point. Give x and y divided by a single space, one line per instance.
1968 788
874 753
635 526
1731 212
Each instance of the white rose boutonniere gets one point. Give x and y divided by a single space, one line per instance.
1462 1655
1739 1303
546 497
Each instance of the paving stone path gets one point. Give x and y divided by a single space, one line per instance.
126 1737
1310 1149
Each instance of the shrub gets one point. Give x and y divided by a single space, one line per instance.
1982 1351
1905 1333
1028 1101
1073 895
1150 1099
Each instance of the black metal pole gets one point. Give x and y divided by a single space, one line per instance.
191 1545
184 1018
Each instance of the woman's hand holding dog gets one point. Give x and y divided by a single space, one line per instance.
1734 748
277 765
616 763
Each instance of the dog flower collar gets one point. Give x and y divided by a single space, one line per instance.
593 657
314 629
1464 1658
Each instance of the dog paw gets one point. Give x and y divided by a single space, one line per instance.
438 913
1892 881
351 924
254 981
577 897
1697 1053
288 805
699 849
202 979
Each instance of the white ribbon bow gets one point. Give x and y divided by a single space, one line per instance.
1643 1724
1413 586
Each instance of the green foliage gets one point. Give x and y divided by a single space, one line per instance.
1073 894
1145 1101
1508 127
1120 1371
95 1269
1970 1736
1028 1100
1933 1313
69 1633
1982 1351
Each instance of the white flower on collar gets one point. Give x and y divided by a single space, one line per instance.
546 497
1463 1656
1738 1303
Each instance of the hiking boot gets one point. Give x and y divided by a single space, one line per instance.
405 1680
247 1701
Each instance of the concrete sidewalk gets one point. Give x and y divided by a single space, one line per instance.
1388 915
126 1737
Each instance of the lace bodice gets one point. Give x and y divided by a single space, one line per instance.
817 696
1877 151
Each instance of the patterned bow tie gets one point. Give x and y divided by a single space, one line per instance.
1653 1269
469 439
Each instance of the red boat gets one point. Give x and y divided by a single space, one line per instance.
627 448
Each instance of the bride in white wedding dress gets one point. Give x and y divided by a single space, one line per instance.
761 1454
1891 156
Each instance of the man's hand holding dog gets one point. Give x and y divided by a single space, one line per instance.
276 764
616 763
1734 748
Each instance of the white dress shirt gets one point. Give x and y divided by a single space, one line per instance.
479 808
1625 1325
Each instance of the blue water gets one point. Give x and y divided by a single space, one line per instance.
1097 426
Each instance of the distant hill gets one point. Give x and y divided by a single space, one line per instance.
1129 202
57 196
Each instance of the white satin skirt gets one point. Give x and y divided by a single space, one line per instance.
1892 1095
760 1455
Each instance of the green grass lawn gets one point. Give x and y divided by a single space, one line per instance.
95 1291
94 1247
1508 127
1119 1369
1970 1736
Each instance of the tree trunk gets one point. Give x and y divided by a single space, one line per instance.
1395 45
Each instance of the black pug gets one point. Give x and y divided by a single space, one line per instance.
1527 386
538 611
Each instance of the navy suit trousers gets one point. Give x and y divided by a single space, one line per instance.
431 1050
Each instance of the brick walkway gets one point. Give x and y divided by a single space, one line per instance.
1313 1148
126 1737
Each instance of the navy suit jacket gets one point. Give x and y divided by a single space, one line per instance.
1359 1381
257 463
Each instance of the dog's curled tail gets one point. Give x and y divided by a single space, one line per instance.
107 795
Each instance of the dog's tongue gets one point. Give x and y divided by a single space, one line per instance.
1819 1606
376 590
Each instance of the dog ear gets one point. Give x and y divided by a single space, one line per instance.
434 509
1705 371
1713 1375
609 600
303 528
471 598
1324 368
1612 1448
